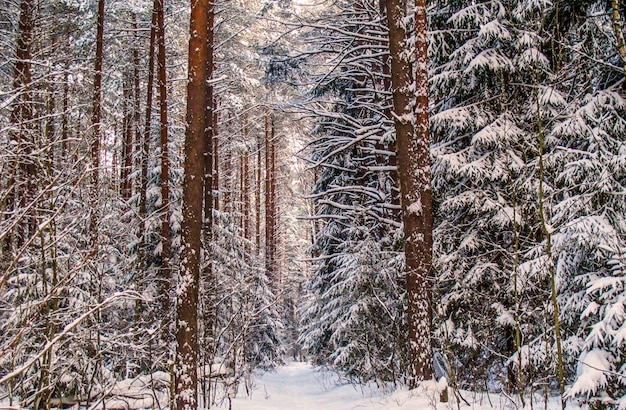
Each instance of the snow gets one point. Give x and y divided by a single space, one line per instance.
301 386
592 370
415 207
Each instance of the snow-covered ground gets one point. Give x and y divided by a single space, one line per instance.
300 386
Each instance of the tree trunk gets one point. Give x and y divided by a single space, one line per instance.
146 144
21 115
186 377
240 201
127 141
269 201
391 159
619 36
547 233
216 163
137 98
414 177
245 185
209 130
165 184
95 119
273 207
209 135
227 175
257 195
65 133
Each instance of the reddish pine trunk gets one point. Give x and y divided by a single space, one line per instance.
245 186
186 376
96 117
209 130
127 141
210 134
97 94
163 132
269 201
257 195
273 207
65 134
21 115
240 193
226 181
392 160
216 163
137 95
146 140
414 177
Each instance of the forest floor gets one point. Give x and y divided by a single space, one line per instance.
300 386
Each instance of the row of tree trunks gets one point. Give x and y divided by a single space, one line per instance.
131 118
258 223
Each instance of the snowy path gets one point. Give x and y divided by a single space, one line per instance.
299 386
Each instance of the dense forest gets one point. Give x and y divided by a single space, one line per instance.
195 191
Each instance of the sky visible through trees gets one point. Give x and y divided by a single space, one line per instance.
406 193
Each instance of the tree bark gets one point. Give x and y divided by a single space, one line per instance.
209 129
269 200
257 195
163 133
127 142
146 143
391 159
619 36
137 99
227 176
65 133
186 378
240 201
21 116
245 186
547 234
96 118
216 163
209 135
411 124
